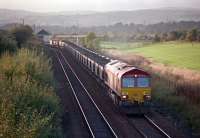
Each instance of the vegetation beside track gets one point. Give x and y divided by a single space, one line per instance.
175 97
173 91
29 106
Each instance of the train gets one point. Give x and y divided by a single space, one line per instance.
56 43
128 86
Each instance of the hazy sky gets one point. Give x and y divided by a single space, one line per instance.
94 5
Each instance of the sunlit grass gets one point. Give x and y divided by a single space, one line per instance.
122 45
180 54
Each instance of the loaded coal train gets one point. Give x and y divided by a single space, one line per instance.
129 87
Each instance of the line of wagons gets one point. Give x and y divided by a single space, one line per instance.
128 86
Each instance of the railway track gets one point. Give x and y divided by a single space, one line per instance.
97 124
147 127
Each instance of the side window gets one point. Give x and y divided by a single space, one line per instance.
128 82
143 82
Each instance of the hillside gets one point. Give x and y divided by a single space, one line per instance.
92 18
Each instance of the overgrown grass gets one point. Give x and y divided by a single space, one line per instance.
179 54
28 105
166 92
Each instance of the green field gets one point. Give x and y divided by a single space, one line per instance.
180 54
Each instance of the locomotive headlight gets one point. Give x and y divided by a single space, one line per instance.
124 97
147 97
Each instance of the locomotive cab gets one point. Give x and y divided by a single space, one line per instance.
135 89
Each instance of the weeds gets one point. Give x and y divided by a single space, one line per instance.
179 95
28 105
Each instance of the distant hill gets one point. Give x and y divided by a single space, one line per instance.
92 18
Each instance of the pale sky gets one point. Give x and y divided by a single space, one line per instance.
94 5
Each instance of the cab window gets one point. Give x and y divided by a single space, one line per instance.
128 82
143 82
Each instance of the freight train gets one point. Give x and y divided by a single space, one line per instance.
128 86
56 43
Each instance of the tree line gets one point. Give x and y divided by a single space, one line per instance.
119 27
191 35
185 35
128 32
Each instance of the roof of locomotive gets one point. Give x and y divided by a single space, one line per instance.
115 66
122 68
133 71
102 60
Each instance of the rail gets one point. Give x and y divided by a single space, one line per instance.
100 128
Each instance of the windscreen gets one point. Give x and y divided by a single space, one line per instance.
143 82
128 82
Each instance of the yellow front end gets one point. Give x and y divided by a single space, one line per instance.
136 95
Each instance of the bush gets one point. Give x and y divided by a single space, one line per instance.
28 105
156 38
91 41
7 43
22 33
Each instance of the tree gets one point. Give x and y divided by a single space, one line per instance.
198 36
91 36
192 35
156 38
173 35
91 41
22 34
164 37
7 42
183 35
